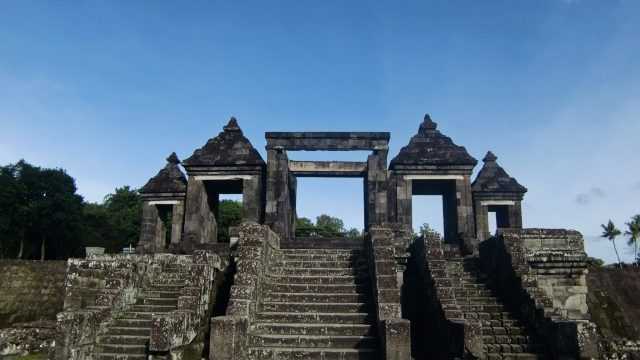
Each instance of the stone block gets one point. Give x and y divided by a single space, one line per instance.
396 335
228 336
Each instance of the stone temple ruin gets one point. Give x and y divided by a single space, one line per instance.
269 294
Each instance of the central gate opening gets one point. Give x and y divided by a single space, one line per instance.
285 176
329 207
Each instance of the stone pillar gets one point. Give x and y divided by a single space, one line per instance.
404 206
515 215
200 225
160 233
149 228
177 218
482 221
293 213
507 216
377 188
451 215
252 199
278 208
464 201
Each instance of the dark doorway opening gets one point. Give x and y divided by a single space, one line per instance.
498 218
428 209
446 189
224 198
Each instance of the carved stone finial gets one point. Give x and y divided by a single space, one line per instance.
428 124
173 159
232 125
490 157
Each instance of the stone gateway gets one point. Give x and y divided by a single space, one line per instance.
390 294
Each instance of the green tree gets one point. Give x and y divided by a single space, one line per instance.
305 227
9 208
229 214
611 232
426 230
353 233
114 224
42 209
124 214
329 226
633 232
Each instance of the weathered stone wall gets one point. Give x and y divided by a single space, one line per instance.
542 272
30 290
615 307
387 260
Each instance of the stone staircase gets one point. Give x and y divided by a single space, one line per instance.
315 304
127 335
504 337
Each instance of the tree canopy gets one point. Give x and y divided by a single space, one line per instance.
42 213
325 226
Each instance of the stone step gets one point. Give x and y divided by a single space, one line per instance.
161 294
486 316
320 264
129 330
320 257
462 292
503 322
501 330
157 301
165 287
310 297
153 308
484 300
315 318
314 329
142 315
303 307
114 356
511 348
123 339
318 271
513 356
270 353
123 349
313 341
132 322
507 339
316 288
316 280
169 281
321 251
491 308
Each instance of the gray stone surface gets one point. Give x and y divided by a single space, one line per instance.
229 148
328 140
169 180
431 148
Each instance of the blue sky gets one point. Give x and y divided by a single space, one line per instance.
107 89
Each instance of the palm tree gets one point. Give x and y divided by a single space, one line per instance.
633 233
611 232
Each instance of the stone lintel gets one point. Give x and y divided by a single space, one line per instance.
433 177
486 196
223 177
222 170
163 196
328 168
164 202
497 202
432 169
331 141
